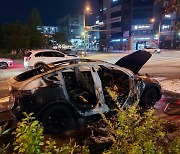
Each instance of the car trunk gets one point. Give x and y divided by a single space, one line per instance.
134 61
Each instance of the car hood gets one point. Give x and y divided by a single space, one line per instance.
134 61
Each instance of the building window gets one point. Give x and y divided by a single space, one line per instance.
104 17
116 35
116 14
74 27
116 24
143 13
115 3
103 36
143 3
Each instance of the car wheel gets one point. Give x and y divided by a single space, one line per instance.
3 65
155 51
39 65
57 119
149 98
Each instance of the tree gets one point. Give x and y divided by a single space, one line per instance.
15 36
60 38
171 6
34 19
37 39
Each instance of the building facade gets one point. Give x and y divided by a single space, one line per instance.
110 15
48 30
72 27
136 24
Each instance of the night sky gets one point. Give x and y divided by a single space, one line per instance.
50 10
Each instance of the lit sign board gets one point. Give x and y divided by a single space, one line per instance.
142 27
165 26
99 23
119 40
142 38
168 16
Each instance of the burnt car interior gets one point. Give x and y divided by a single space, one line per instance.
115 81
80 88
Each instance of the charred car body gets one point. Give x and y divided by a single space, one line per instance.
64 93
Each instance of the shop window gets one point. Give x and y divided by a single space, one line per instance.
116 14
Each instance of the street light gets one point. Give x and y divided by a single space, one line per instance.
153 20
159 28
86 11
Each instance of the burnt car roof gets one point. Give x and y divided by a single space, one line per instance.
56 66
134 61
51 67
40 70
72 61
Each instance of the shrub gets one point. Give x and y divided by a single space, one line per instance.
71 147
29 139
134 133
131 132
28 136
13 56
174 146
3 148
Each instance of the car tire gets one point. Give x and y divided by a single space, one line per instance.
38 65
149 98
3 65
57 119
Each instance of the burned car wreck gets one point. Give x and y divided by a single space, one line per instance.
63 94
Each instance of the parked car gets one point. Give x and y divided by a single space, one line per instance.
5 63
152 50
64 94
36 58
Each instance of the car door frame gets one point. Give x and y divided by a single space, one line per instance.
133 88
101 106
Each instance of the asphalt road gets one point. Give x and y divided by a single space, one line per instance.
165 63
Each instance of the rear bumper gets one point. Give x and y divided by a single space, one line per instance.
26 65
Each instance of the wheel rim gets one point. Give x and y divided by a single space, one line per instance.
57 120
3 65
